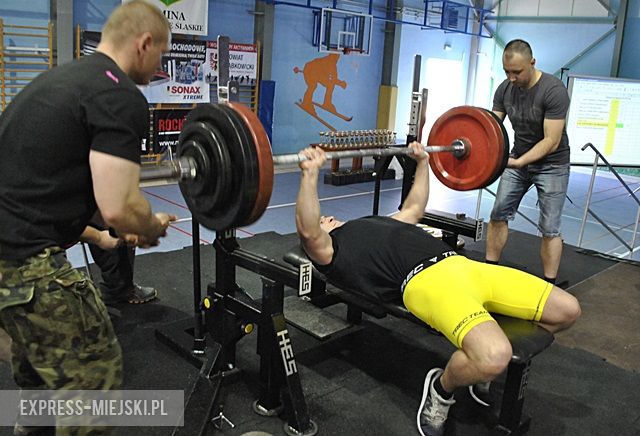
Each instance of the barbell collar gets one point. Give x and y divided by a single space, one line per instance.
186 168
183 168
457 147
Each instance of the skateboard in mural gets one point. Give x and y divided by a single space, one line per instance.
321 71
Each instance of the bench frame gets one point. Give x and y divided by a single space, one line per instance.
229 315
526 337
228 309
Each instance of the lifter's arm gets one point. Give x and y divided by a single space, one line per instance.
413 207
316 242
121 204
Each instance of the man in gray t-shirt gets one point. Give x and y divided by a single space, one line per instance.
536 104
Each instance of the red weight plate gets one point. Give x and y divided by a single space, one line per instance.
265 159
482 133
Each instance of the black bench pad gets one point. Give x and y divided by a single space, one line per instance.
527 338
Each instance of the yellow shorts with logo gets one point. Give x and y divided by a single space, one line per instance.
457 293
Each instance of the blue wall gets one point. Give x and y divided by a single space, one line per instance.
91 15
25 13
295 129
21 13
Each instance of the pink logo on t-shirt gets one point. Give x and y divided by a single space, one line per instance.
111 76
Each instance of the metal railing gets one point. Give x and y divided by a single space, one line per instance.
587 210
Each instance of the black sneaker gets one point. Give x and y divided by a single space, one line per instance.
434 409
137 295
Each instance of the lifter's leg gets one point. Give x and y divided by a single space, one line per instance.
560 311
485 354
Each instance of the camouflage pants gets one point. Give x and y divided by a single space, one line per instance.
61 331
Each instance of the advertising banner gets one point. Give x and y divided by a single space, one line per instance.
182 77
167 125
243 63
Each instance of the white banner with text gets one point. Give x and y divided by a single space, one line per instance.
243 63
187 17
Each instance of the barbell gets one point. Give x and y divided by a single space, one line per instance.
224 165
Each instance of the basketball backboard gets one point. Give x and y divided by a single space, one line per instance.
340 31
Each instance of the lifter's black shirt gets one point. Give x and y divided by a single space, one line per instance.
46 132
375 254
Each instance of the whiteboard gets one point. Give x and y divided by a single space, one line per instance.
604 111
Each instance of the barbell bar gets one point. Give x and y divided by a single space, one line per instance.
224 165
457 147
186 168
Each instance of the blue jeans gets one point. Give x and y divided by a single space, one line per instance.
550 180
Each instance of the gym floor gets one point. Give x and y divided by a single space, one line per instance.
610 201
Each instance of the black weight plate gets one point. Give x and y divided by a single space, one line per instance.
505 155
202 142
206 191
223 214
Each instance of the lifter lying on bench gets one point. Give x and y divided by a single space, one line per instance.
449 292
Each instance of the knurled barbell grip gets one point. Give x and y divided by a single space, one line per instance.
288 159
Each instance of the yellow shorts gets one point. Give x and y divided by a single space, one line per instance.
457 293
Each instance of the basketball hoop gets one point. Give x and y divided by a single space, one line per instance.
346 50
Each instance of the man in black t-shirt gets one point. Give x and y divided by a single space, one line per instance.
70 145
536 104
115 258
390 257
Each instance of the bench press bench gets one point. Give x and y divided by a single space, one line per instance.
527 338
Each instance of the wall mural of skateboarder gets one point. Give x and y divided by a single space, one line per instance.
321 71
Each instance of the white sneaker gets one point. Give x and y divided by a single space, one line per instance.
434 409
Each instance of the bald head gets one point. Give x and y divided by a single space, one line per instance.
134 18
136 36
